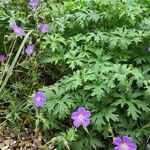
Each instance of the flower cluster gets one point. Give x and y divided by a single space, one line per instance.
39 97
81 117
20 32
124 143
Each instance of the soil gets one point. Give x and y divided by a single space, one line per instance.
30 140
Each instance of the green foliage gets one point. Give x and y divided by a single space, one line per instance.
95 56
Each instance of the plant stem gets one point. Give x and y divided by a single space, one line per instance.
15 60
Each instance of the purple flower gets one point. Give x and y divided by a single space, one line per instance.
124 143
39 99
18 30
43 28
3 58
33 3
81 117
30 50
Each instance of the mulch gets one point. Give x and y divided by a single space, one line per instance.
28 141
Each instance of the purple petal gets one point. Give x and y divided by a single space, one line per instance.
81 117
30 50
3 58
87 114
74 115
117 148
39 104
39 99
33 3
43 28
81 109
86 122
132 146
117 141
14 25
18 30
127 139
76 123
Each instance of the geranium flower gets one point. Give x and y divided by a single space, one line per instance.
81 117
43 28
18 30
3 58
39 99
33 3
124 143
30 50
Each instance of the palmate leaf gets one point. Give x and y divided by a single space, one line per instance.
141 105
89 143
145 23
97 36
71 135
58 103
74 40
137 74
119 42
98 120
53 42
104 116
81 18
72 82
134 106
98 91
76 80
131 11
68 83
75 58
120 72
98 88
98 59
93 16
122 37
61 23
53 58
133 111
3 15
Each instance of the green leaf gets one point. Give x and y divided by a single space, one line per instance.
58 103
104 116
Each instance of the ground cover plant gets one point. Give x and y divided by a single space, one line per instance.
78 71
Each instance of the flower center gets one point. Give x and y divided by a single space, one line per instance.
81 117
124 146
29 50
38 99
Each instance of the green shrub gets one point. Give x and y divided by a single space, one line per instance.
94 56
